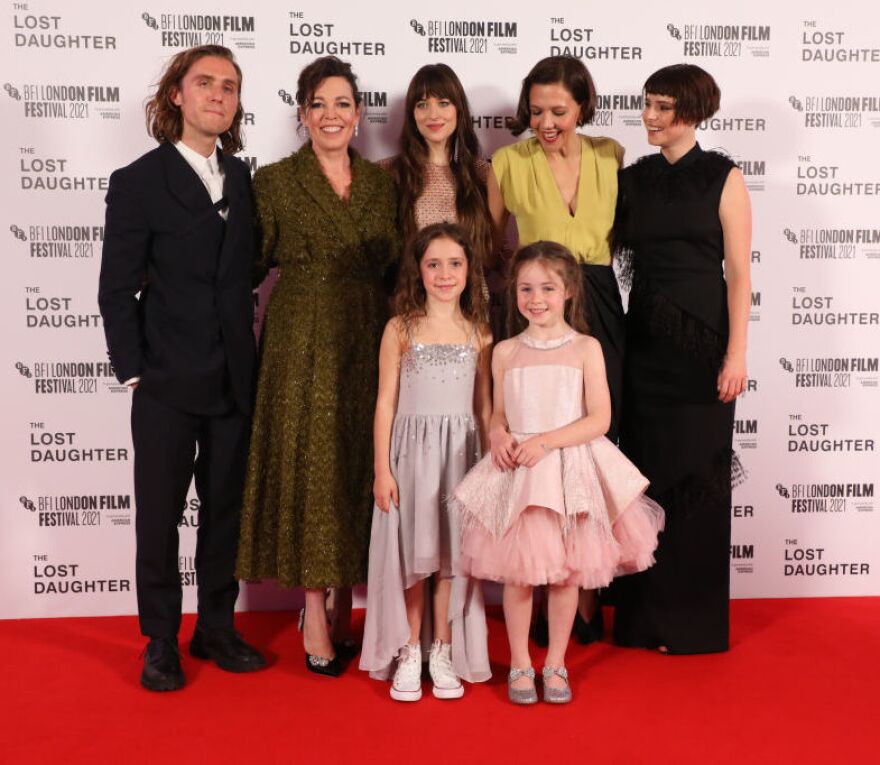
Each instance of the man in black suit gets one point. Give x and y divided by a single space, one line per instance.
175 295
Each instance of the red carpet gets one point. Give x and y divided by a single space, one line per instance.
800 685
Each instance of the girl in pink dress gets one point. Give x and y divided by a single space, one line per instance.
555 503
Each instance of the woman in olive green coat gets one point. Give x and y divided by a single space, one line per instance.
327 219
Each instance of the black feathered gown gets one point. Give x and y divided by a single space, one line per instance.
674 427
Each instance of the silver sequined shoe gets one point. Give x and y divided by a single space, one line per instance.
556 695
521 695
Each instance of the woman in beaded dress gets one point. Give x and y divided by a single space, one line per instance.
684 223
439 174
327 219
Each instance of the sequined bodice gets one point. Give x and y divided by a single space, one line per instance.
437 379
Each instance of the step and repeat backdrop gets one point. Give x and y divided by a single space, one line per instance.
800 114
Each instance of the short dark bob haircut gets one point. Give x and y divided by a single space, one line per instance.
696 93
311 77
568 71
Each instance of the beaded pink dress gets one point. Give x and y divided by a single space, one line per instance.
578 517
436 204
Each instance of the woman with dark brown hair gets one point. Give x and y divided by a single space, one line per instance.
439 174
561 186
685 223
327 218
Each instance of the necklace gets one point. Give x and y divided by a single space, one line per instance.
547 345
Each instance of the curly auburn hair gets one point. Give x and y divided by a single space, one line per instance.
552 256
410 297
463 151
164 119
697 95
568 71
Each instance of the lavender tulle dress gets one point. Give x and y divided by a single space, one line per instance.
579 516
434 442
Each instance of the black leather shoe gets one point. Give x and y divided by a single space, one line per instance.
162 670
591 631
322 666
226 649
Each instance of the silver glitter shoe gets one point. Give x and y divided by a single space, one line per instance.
556 695
521 695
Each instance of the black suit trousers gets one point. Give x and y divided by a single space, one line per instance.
170 447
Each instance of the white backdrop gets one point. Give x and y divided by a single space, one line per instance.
800 113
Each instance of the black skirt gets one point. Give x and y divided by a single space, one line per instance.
604 315
679 435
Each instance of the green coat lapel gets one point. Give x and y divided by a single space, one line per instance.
345 215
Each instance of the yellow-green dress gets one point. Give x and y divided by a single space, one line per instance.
308 496
531 195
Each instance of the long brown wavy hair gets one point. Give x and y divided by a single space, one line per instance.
164 119
550 255
463 149
410 298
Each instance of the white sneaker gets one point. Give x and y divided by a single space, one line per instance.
446 683
407 685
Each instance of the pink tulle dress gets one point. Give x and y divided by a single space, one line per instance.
578 517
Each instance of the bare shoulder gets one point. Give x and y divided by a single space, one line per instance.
394 327
735 181
735 201
586 346
395 334
504 349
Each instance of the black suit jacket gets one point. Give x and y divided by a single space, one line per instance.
175 285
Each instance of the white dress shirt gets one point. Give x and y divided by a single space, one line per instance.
208 169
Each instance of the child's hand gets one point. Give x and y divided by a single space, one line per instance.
530 452
385 491
503 445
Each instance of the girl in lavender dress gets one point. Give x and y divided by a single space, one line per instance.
555 503
432 413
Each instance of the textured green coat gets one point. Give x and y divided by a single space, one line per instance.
308 497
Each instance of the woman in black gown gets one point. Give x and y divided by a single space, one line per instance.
684 226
